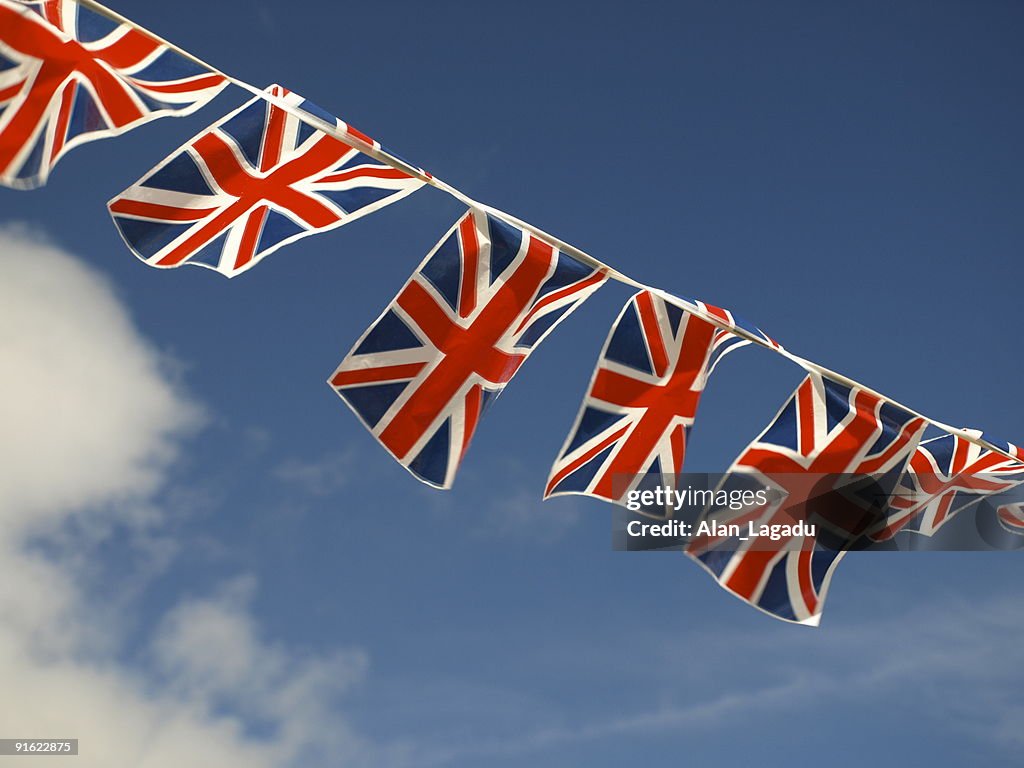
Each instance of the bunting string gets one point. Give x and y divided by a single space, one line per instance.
714 315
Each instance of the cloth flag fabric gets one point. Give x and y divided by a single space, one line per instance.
945 475
635 420
825 428
421 376
253 182
69 75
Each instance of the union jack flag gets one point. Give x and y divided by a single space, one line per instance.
1011 517
824 429
256 180
69 75
423 373
633 424
945 475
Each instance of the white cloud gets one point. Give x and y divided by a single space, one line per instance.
92 423
210 651
319 477
88 414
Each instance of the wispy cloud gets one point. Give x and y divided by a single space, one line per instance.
956 663
521 513
681 720
502 501
210 651
317 477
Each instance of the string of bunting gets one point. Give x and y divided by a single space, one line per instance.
279 168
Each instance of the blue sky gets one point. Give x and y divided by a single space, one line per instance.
204 547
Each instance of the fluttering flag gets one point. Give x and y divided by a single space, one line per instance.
253 182
421 376
634 422
69 75
946 475
825 431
